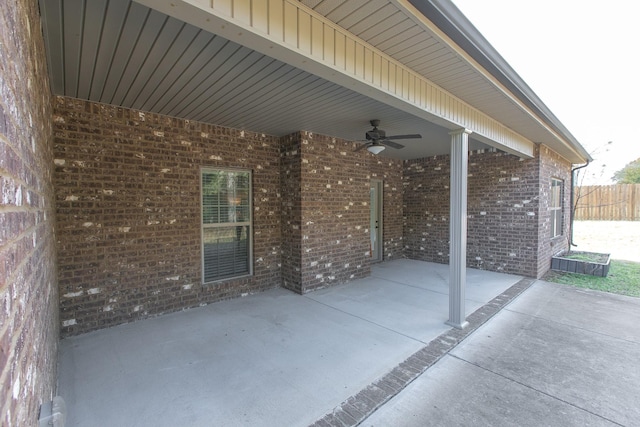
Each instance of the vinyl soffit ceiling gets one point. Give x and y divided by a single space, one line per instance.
120 52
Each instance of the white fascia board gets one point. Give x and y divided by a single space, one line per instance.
292 33
426 24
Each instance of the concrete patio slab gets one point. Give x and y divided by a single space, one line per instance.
556 355
401 297
480 284
274 358
437 398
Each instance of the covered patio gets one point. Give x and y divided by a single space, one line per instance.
115 113
151 96
273 358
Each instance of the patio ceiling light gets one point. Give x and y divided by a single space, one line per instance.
375 148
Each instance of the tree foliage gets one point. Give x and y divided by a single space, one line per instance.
630 174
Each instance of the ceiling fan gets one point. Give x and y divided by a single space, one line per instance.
377 140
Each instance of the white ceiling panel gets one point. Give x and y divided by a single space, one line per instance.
120 52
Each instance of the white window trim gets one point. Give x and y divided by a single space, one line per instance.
557 229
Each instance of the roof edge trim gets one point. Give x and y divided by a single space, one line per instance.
449 19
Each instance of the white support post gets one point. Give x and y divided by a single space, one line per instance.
458 227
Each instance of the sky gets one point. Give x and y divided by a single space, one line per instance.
582 59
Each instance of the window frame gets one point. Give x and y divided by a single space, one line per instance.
556 212
249 223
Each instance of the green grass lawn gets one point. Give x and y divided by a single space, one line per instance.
623 278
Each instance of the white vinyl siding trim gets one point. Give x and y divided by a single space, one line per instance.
555 206
226 222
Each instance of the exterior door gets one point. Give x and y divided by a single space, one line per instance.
375 227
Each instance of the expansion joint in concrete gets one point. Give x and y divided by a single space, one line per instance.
360 406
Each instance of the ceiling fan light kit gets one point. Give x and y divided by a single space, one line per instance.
376 148
376 139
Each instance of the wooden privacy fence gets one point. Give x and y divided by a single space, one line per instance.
620 202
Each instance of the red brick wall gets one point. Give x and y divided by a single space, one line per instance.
127 187
390 173
552 166
326 210
426 209
28 293
291 188
335 182
503 213
128 211
508 217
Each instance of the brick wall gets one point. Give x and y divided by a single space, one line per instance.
127 186
508 218
426 209
503 213
390 173
128 211
552 166
326 203
290 182
28 293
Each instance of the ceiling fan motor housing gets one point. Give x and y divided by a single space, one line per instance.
375 134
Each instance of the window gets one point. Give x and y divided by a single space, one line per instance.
226 224
555 206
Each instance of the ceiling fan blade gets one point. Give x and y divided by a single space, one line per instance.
409 136
391 144
361 146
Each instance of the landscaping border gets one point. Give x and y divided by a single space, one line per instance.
599 269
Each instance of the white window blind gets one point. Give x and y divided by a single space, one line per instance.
226 224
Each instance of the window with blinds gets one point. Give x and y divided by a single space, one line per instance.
226 224
555 207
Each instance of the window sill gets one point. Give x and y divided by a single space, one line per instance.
226 280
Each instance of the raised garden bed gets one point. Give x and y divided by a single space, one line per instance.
591 263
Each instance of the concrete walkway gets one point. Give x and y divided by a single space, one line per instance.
556 356
274 358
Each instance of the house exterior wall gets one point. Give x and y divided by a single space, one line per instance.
127 188
426 209
28 293
508 210
128 211
335 210
291 190
390 173
552 166
503 214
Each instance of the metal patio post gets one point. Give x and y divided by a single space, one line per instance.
458 227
